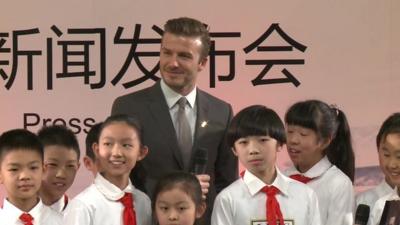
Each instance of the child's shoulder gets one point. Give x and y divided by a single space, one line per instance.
88 195
50 216
140 195
235 189
335 176
297 188
2 214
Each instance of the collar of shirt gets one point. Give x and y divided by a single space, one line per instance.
109 190
59 205
394 195
255 184
383 188
13 212
317 170
172 97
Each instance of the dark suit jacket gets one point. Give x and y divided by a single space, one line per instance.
150 107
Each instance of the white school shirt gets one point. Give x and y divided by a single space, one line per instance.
334 190
60 205
370 196
42 215
377 210
98 205
242 203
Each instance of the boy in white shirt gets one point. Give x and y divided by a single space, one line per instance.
263 194
112 199
369 197
21 169
389 159
61 163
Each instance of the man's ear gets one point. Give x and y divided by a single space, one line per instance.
202 64
144 150
200 209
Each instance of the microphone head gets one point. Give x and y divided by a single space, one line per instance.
362 214
200 159
200 156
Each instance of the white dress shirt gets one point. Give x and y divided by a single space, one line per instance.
42 215
242 203
98 204
377 210
334 190
370 196
191 109
60 205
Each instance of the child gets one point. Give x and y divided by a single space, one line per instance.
389 159
263 194
319 145
178 199
21 168
61 162
390 126
112 199
92 137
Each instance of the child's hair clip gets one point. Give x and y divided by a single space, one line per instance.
335 108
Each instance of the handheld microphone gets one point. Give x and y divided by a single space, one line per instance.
200 160
362 215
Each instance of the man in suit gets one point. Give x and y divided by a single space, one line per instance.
184 49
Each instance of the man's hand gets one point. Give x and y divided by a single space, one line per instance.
204 180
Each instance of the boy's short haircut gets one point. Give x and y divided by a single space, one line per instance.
59 135
390 126
92 137
19 139
256 120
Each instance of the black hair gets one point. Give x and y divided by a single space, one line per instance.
256 120
129 120
189 27
59 135
186 182
19 139
327 122
91 138
389 126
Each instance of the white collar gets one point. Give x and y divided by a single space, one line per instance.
255 184
394 195
15 213
315 171
109 190
384 187
172 97
60 204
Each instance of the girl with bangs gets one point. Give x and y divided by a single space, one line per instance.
319 145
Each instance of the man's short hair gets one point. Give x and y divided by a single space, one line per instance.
189 27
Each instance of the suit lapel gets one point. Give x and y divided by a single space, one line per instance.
160 112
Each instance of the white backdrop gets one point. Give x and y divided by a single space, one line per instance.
352 59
